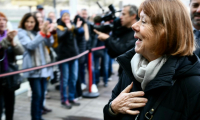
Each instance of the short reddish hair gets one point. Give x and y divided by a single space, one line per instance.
3 15
172 18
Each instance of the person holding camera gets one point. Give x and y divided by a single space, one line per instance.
34 41
9 47
125 40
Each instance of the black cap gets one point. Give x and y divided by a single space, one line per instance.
40 7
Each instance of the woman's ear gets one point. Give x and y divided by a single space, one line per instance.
162 33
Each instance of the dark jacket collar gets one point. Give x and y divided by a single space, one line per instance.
174 69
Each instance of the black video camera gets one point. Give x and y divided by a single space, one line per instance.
109 16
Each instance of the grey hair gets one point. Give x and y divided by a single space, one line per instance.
133 10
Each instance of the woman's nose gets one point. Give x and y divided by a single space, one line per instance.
135 26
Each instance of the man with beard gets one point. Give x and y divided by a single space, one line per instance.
195 18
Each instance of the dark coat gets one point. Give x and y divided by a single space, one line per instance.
99 53
81 42
182 101
68 46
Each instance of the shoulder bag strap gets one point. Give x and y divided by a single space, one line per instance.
149 115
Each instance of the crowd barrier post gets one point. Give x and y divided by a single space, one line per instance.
89 93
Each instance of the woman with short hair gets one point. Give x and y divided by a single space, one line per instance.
161 78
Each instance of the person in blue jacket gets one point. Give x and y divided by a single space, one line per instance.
36 54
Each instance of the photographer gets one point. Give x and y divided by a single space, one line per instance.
125 40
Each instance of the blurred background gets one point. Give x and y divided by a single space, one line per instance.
15 9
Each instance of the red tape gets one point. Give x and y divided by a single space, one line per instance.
51 64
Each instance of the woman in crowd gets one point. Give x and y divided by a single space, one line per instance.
67 47
9 47
40 19
36 54
161 77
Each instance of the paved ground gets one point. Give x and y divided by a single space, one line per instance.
90 109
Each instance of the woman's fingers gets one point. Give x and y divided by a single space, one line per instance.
128 88
136 105
136 94
138 100
132 112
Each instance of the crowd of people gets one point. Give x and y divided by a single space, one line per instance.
45 39
154 45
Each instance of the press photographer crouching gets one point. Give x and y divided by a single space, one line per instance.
9 47
122 38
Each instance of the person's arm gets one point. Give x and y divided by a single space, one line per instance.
17 47
79 31
62 32
124 101
26 41
117 47
115 92
49 40
5 43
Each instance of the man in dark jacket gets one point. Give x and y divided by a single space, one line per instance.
185 70
125 39
194 14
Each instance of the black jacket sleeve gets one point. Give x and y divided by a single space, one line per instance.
115 92
117 47
63 34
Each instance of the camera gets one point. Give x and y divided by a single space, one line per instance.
108 16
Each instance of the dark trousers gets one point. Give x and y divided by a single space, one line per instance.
7 101
38 87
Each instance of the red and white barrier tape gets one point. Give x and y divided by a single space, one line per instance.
51 64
